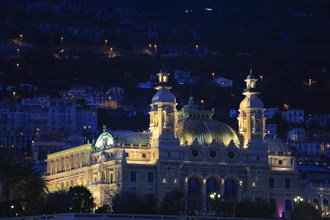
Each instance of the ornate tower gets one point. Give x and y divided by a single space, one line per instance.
251 119
163 113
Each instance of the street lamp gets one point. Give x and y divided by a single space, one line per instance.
215 195
62 40
20 39
202 102
106 43
298 199
213 75
155 46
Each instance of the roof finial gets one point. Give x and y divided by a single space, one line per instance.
163 69
251 76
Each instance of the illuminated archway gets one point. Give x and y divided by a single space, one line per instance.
212 193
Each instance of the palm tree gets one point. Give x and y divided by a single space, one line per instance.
8 173
31 188
21 182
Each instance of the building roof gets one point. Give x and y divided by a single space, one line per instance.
308 168
251 101
163 95
205 131
131 137
275 145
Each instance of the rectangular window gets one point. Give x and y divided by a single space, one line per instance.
143 155
133 176
150 177
288 205
280 162
287 183
271 182
168 154
111 177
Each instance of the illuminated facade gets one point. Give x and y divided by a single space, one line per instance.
188 150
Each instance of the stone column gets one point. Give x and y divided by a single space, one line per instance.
321 204
204 194
186 191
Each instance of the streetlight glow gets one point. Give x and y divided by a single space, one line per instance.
298 199
215 195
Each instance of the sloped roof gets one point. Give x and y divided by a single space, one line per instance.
130 137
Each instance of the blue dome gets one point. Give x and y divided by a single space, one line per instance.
163 95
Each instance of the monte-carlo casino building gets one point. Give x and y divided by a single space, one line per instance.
188 150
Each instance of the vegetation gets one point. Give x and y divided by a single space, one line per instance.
270 36
305 211
76 199
257 209
123 203
23 188
173 203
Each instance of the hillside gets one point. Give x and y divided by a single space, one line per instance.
287 42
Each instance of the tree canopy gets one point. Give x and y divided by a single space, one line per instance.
304 210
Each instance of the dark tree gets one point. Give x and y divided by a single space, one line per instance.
173 203
129 203
151 203
304 210
245 208
57 202
21 183
265 209
81 199
258 209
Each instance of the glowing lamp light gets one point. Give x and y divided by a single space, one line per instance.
298 199
215 195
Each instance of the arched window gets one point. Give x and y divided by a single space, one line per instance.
194 196
230 193
212 193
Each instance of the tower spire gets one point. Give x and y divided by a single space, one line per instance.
251 118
